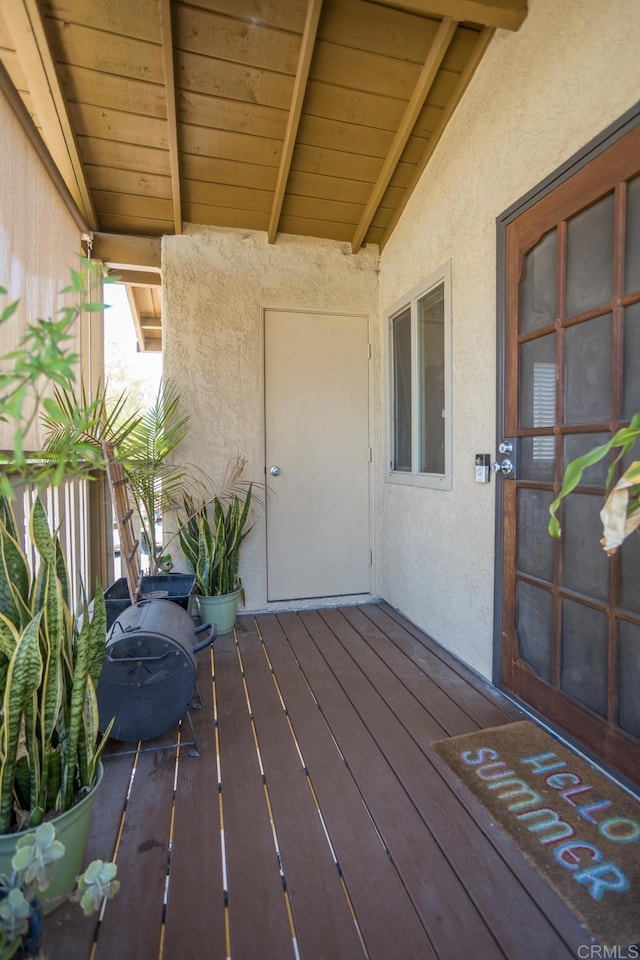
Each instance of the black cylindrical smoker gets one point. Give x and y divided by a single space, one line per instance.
148 677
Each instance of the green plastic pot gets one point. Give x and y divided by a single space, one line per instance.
72 829
221 610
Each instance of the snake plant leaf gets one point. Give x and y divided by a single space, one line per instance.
76 706
9 637
101 745
63 576
22 793
48 598
88 737
34 754
8 517
53 770
40 533
23 678
15 577
97 635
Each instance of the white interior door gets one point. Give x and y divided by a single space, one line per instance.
317 455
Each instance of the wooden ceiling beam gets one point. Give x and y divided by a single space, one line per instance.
148 329
150 321
137 278
121 251
436 55
504 14
474 59
172 122
300 85
25 25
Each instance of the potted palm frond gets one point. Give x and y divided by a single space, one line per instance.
144 444
211 536
50 654
146 456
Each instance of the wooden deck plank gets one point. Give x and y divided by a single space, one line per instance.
195 889
69 933
312 876
444 717
382 851
134 916
257 909
450 917
386 916
479 699
443 810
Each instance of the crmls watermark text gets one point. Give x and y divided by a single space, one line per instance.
595 951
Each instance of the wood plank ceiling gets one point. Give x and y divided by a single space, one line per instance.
312 117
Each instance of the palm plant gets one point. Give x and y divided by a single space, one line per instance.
154 481
144 443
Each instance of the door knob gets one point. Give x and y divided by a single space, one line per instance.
275 471
505 467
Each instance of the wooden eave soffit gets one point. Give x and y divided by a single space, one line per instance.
500 14
24 22
492 14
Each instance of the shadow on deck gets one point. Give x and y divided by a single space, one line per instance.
317 822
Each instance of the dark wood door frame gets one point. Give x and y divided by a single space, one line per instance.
626 123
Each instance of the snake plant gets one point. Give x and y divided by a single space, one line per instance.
50 661
212 547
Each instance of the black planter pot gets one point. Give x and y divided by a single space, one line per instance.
176 587
32 941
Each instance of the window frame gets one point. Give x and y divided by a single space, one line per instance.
415 477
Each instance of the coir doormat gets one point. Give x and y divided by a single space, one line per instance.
578 828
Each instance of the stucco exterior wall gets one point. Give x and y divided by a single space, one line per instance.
538 96
216 285
39 240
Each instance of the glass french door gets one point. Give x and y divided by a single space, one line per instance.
571 616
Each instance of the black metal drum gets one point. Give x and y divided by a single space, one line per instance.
148 677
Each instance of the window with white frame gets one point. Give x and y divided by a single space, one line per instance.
420 383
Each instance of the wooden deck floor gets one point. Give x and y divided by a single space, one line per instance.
316 823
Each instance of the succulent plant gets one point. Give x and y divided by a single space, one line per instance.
21 906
